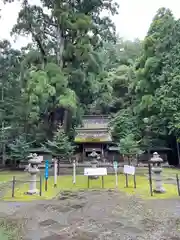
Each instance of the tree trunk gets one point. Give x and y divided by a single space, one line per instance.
65 121
129 161
58 170
60 47
178 152
2 131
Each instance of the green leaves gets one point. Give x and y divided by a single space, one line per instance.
128 146
60 146
125 123
19 149
155 72
68 100
48 89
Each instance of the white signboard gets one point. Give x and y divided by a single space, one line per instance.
95 171
129 169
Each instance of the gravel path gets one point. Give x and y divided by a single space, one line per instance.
96 215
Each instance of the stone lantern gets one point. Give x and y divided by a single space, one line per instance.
32 168
94 157
156 161
94 160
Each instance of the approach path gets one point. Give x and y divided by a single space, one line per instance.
91 215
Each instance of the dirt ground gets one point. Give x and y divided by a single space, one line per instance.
95 215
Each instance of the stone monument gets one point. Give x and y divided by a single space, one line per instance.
156 161
32 168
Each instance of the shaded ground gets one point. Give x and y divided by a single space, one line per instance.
103 215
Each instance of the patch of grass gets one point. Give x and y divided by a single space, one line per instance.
6 176
142 185
10 229
21 190
3 235
65 184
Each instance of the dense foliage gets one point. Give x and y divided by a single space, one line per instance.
19 150
77 65
129 146
60 146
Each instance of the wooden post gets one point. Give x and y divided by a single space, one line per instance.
129 163
102 181
116 177
46 184
55 173
126 180
74 172
83 154
40 185
150 179
177 179
134 180
88 181
13 185
58 167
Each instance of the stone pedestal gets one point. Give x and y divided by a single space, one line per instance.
32 185
94 163
94 156
158 180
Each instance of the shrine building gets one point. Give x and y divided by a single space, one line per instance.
93 134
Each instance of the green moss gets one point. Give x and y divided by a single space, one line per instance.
65 183
10 229
3 235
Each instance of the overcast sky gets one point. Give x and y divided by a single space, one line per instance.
132 22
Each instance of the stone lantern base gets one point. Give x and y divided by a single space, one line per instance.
32 192
159 191
94 163
158 180
32 186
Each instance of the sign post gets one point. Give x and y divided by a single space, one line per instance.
46 174
150 179
115 165
55 173
74 172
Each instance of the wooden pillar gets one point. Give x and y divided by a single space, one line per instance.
83 153
102 152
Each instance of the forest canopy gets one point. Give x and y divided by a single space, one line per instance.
76 64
